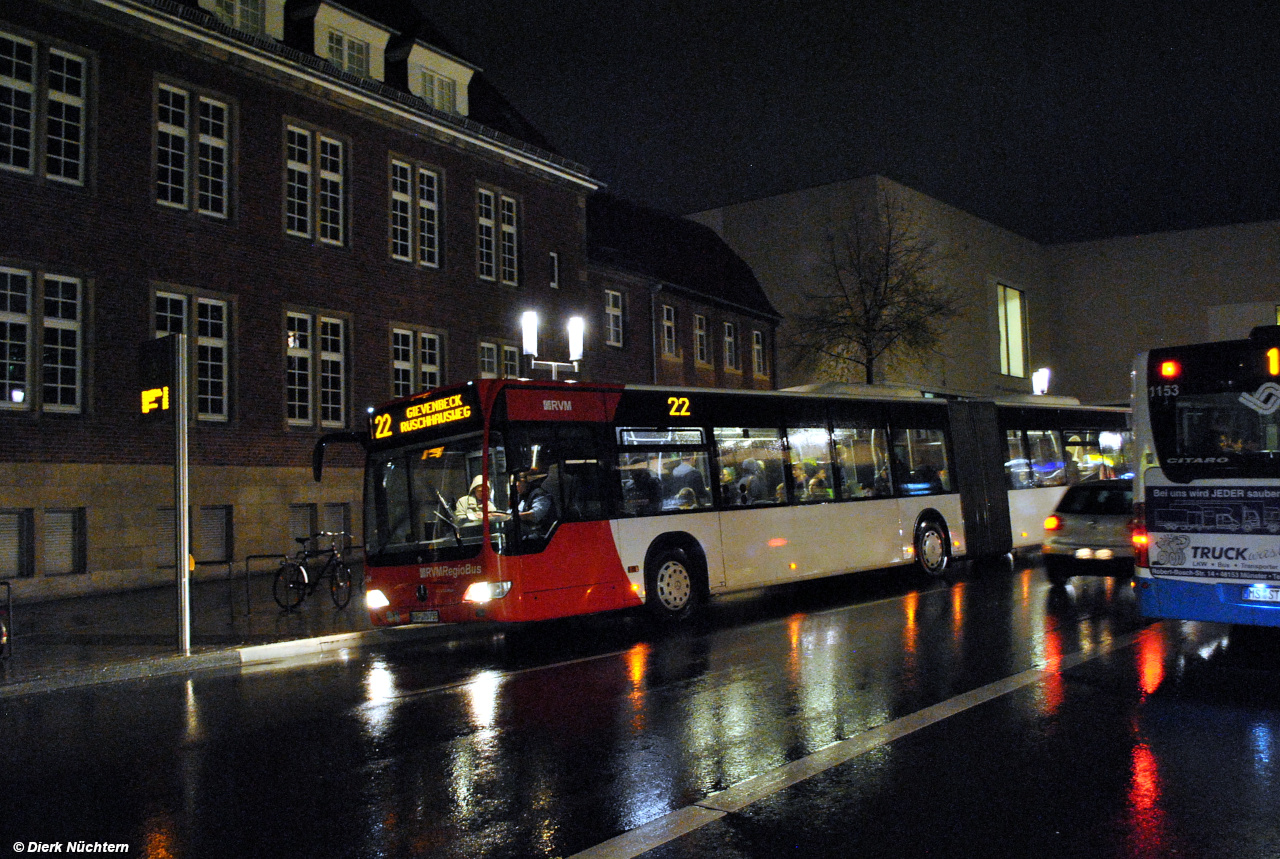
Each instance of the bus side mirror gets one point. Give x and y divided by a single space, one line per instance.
317 453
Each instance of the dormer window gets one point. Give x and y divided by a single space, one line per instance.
439 79
349 53
439 91
257 17
350 41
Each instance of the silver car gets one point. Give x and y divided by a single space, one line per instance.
1090 532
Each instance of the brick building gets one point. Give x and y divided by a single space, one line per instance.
333 207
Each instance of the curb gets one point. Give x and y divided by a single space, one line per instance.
258 656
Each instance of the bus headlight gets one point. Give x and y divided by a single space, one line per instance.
485 591
376 599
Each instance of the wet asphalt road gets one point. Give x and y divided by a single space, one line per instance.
874 715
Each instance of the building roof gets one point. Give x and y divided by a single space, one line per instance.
680 253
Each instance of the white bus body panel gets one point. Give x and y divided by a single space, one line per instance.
1028 508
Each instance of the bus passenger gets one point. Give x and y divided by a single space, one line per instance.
752 488
687 475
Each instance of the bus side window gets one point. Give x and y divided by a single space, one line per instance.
686 481
920 462
640 484
812 475
862 459
1017 467
752 465
1047 462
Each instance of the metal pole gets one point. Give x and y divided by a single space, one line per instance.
181 498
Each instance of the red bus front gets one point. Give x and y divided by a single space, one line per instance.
486 502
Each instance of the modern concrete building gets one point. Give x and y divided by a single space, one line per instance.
1082 310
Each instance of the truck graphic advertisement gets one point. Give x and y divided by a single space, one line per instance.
1220 532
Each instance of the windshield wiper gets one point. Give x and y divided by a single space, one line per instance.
448 520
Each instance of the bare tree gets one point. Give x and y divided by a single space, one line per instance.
882 295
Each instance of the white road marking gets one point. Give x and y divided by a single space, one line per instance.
671 826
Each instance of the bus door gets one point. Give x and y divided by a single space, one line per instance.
980 477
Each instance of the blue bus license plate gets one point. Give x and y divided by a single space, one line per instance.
1262 593
424 617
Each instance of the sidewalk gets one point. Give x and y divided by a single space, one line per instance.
84 640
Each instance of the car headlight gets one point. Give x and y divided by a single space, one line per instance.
485 591
376 599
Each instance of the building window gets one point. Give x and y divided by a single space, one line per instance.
315 169
613 317
486 225
497 237
510 362
553 265
349 53
209 350
416 358
16 544
315 370
1013 328
701 342
51 306
415 214
759 365
247 15
54 105
488 360
63 542
509 245
439 91
185 136
730 346
668 330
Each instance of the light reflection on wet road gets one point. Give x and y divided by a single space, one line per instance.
547 740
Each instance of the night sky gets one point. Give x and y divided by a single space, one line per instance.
1059 121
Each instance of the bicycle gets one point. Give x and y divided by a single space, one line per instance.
298 577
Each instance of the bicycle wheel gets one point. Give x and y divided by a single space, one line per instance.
290 586
340 585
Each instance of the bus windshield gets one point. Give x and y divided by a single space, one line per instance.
419 501
1213 414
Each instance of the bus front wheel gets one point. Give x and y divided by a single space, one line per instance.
931 547
671 586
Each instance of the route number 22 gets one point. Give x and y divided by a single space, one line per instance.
679 407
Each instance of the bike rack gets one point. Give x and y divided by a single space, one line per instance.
6 622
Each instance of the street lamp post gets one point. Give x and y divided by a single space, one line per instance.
576 328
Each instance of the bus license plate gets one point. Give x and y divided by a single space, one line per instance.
424 617
1262 593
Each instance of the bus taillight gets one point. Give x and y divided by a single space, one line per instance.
1053 523
1141 542
1170 369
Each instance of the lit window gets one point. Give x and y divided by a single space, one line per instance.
1013 328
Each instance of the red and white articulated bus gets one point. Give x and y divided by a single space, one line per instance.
505 500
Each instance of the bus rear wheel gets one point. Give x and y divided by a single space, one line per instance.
931 547
672 589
